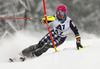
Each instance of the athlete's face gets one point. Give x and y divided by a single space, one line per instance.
60 16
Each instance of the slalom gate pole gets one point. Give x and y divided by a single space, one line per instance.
48 26
13 18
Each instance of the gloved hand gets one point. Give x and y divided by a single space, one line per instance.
79 46
43 20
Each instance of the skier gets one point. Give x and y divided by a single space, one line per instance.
61 27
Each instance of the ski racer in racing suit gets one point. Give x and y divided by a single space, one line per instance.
61 27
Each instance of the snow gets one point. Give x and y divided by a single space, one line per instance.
67 57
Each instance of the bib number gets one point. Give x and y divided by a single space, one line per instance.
60 28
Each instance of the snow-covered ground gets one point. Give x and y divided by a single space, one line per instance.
67 56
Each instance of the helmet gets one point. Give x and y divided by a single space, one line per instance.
61 10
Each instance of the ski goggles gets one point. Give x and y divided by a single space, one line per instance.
61 13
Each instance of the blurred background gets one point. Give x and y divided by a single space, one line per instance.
84 13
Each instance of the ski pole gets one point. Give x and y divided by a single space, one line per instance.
37 18
48 26
13 18
18 18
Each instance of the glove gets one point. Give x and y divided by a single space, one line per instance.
43 20
79 46
78 42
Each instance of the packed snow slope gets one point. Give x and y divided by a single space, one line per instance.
67 57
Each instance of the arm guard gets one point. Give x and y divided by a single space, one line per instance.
49 19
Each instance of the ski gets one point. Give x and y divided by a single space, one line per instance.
11 60
20 59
